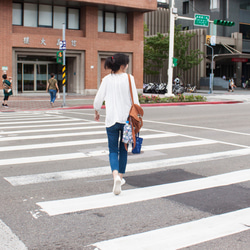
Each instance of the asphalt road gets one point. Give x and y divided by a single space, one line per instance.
188 189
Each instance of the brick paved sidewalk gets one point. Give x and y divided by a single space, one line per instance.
23 103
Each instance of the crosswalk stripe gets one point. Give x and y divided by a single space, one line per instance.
73 143
24 160
44 136
47 121
131 167
57 207
72 123
50 130
183 235
9 240
16 120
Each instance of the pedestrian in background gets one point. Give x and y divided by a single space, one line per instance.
114 90
231 85
52 87
7 91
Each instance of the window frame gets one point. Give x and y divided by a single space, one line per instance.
185 6
38 12
103 17
67 18
52 16
22 17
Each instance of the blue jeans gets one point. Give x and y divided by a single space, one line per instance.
52 95
117 153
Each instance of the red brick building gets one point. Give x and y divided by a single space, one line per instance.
31 31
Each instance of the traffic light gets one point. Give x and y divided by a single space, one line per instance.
59 57
224 22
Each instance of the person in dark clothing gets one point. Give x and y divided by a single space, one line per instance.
7 91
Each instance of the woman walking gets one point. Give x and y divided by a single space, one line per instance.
114 90
7 91
52 87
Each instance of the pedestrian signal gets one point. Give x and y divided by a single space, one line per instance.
59 57
224 22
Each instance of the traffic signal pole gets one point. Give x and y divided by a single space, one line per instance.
64 64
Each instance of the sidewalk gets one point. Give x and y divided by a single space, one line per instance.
42 102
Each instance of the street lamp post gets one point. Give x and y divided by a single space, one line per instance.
171 49
211 80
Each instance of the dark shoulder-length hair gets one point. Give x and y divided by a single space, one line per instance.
116 61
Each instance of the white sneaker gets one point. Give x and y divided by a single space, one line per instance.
123 182
117 185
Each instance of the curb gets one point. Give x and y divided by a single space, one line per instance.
142 105
163 104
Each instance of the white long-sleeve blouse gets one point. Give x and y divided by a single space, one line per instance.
114 90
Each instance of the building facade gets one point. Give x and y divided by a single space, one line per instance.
31 32
234 63
234 40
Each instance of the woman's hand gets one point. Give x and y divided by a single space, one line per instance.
97 116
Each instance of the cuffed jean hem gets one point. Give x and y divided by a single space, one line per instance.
117 152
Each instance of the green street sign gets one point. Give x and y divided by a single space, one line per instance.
201 20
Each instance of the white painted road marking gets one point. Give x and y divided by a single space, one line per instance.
132 167
8 240
72 205
60 157
183 235
74 143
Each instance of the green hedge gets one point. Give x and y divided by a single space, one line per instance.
178 98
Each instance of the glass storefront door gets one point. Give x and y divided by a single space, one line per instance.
33 72
28 77
34 77
41 76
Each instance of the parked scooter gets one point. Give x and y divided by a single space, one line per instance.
190 89
149 88
178 89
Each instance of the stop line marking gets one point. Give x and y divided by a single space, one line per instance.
129 196
183 235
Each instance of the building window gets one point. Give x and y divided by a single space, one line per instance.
17 14
30 14
214 4
73 19
115 22
185 7
109 22
41 15
245 30
59 17
45 15
100 21
121 20
245 6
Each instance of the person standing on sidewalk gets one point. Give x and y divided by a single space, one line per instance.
52 87
114 90
7 91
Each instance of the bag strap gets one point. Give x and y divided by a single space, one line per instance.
130 87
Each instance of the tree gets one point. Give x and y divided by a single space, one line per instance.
155 53
187 59
156 50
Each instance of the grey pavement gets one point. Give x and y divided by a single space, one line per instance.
25 102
